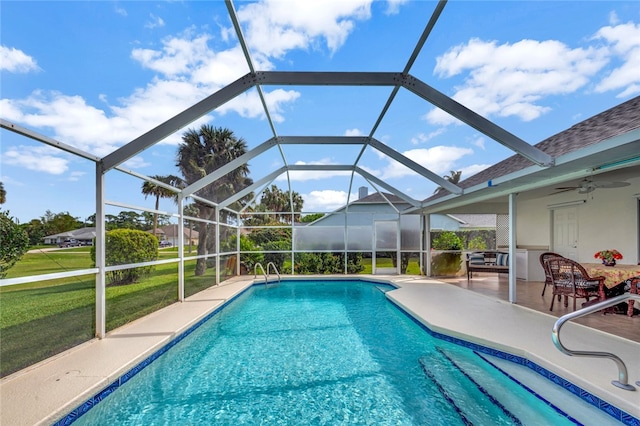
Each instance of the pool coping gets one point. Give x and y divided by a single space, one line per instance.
52 390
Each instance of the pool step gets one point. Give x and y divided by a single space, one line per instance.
457 385
516 403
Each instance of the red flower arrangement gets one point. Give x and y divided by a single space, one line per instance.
608 255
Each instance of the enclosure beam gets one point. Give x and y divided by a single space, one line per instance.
322 140
327 78
229 167
257 184
178 122
386 186
476 121
4 124
454 189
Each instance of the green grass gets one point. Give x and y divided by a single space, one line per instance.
41 319
412 269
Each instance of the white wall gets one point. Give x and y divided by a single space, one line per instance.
609 219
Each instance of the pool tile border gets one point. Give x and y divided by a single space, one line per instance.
615 412
83 408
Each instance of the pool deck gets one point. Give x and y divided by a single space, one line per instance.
43 393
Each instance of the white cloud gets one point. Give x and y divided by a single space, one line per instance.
155 22
249 105
76 176
136 162
36 158
438 159
479 142
471 170
353 132
188 72
326 200
179 55
393 6
16 61
275 27
511 79
624 41
121 10
421 138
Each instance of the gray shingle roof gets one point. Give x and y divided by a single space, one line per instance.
377 198
612 122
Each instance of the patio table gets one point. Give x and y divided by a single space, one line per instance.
615 275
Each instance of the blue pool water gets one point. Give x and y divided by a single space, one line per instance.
322 353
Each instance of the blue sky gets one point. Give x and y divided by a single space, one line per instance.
96 75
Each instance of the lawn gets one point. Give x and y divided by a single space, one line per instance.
41 319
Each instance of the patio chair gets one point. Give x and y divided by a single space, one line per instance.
569 279
547 275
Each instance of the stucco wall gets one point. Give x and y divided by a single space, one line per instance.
608 219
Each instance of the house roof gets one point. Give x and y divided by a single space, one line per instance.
607 145
379 198
475 220
612 122
79 234
171 231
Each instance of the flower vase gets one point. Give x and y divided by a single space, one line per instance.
607 262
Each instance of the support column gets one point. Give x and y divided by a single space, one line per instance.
512 247
180 247
100 255
217 228
426 240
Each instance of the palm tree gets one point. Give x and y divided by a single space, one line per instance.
3 194
201 153
150 188
454 178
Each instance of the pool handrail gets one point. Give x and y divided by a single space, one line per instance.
265 273
274 270
255 273
623 379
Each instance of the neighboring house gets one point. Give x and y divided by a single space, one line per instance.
372 225
587 201
170 234
83 235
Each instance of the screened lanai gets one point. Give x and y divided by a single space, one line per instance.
384 120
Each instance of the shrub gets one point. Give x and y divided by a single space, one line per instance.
126 246
14 242
447 240
328 263
446 263
249 260
477 243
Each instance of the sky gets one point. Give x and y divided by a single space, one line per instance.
96 75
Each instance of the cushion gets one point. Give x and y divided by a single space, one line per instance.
476 259
502 259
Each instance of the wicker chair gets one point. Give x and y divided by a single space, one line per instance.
547 275
569 279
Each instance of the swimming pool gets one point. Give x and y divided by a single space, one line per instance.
318 352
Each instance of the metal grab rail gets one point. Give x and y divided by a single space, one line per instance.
274 270
265 274
255 274
623 380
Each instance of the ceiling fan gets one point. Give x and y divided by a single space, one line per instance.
587 185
